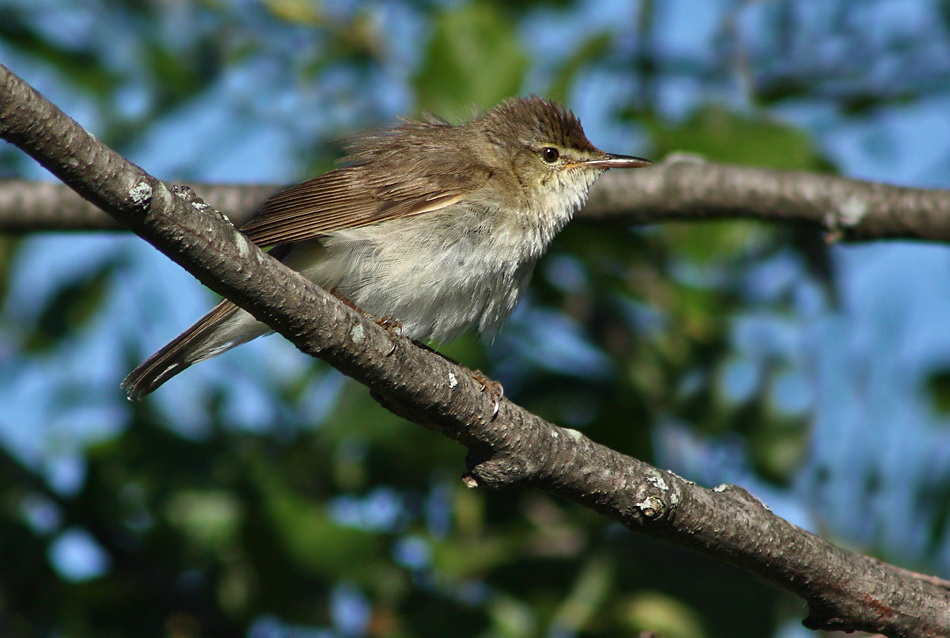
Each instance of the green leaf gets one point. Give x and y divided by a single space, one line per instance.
473 58
316 542
305 12
725 136
655 612
592 48
706 242
208 517
8 247
938 387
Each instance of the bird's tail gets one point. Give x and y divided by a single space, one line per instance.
225 327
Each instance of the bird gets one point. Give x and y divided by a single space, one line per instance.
434 226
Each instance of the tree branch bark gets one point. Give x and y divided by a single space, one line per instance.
682 188
688 188
843 590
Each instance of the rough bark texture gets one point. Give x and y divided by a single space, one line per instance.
680 188
685 188
843 590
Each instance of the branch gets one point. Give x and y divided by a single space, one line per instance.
681 188
28 206
843 590
688 188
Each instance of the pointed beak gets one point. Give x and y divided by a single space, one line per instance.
618 161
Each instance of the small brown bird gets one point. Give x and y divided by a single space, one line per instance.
433 225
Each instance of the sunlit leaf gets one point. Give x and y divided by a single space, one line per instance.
474 58
656 613
723 135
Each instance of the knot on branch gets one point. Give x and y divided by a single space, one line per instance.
839 221
141 194
652 507
495 471
657 496
742 494
189 196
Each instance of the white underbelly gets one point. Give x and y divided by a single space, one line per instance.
437 284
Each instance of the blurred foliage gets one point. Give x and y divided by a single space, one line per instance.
938 387
355 522
474 57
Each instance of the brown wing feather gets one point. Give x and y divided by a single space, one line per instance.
174 357
360 195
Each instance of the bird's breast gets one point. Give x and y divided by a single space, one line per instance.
439 273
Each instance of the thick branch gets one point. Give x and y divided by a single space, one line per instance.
843 590
681 188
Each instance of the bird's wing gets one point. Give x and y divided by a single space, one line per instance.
356 196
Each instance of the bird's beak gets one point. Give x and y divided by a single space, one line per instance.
618 161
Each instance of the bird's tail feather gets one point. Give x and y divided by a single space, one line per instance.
223 328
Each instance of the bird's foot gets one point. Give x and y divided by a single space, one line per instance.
494 389
393 327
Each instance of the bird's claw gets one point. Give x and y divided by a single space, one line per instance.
391 325
494 389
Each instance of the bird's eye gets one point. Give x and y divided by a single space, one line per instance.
550 154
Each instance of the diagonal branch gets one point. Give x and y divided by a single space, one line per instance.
843 590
